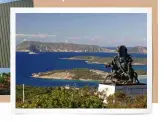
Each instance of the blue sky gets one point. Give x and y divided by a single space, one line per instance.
2 70
6 1
94 29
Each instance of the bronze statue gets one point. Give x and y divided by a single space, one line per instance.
121 68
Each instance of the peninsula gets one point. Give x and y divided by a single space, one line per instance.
81 74
103 60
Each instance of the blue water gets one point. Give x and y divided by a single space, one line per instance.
27 64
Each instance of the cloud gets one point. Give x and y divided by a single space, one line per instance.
73 38
35 35
66 41
24 39
85 37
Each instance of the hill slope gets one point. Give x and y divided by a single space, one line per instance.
36 46
58 47
138 49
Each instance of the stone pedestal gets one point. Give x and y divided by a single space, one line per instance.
129 89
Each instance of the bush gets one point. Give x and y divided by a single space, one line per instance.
121 100
86 97
60 97
2 79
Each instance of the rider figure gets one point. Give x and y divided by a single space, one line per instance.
122 65
125 62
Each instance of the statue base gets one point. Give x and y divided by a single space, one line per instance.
128 89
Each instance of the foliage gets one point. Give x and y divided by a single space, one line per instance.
84 73
4 78
5 84
121 100
86 97
59 97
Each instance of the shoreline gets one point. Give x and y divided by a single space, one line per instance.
70 75
91 75
80 80
134 64
92 58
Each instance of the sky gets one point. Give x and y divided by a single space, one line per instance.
6 1
103 29
2 70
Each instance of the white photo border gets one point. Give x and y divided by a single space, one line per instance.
147 10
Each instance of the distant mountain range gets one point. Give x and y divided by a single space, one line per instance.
137 49
35 46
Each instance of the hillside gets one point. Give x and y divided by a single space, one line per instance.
137 49
35 46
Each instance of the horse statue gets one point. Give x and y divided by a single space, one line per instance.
121 68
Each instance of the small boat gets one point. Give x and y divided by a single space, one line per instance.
32 53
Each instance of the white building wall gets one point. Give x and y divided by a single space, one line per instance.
107 89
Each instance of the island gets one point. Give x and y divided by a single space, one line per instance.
81 74
103 60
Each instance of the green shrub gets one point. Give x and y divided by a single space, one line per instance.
121 100
2 79
86 97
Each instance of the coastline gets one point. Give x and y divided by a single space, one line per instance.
71 75
98 76
80 80
88 62
99 60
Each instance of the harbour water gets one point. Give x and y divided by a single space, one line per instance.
27 64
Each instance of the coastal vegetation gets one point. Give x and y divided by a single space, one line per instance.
4 79
83 74
86 97
104 60
4 83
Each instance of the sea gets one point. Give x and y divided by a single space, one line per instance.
27 64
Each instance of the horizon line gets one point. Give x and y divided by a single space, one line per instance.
81 44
